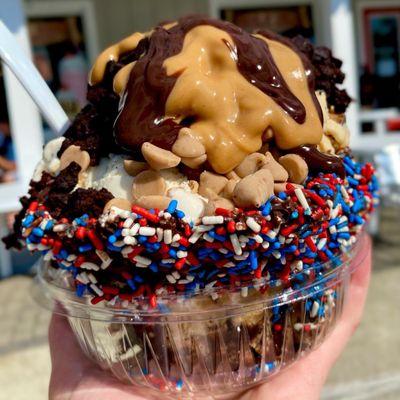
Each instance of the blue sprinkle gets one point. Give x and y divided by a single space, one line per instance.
28 221
253 260
131 284
85 247
38 232
180 214
80 289
172 206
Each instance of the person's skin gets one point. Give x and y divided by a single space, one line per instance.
74 377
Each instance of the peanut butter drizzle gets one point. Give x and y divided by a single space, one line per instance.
121 78
113 53
230 113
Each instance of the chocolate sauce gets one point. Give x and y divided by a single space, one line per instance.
320 162
142 109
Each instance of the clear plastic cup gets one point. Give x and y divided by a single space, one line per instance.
220 341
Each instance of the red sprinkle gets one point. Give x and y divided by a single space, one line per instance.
97 243
153 301
33 206
180 263
223 211
110 290
231 226
310 243
80 233
145 213
97 299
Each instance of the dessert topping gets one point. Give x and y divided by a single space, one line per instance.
159 158
75 154
133 167
295 166
148 183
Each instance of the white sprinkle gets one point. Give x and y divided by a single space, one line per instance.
129 240
83 278
223 251
60 227
96 289
90 265
243 239
183 281
176 237
253 224
302 199
160 234
134 230
344 193
168 261
190 278
125 232
277 254
281 239
113 301
235 244
210 285
176 274
342 219
119 243
271 234
207 237
195 237
126 250
244 291
297 265
298 326
147 231
265 245
142 260
91 278
202 228
140 265
241 257
72 257
213 220
168 236
314 309
167 215
258 238
161 214
332 229
181 254
171 279
128 223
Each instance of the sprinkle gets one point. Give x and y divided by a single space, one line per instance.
302 199
253 225
147 231
213 220
236 245
167 236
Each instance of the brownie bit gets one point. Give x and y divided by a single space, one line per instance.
328 74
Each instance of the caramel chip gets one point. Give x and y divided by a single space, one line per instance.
148 183
159 158
75 154
153 201
295 166
194 162
133 167
252 163
254 190
214 182
117 202
278 172
187 146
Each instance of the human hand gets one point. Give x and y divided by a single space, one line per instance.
75 377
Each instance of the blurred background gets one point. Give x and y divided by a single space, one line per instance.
64 37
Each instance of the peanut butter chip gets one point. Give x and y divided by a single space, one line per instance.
75 154
233 175
254 190
228 189
278 172
159 158
122 204
153 201
193 186
187 146
148 183
214 182
250 164
295 166
194 162
133 167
